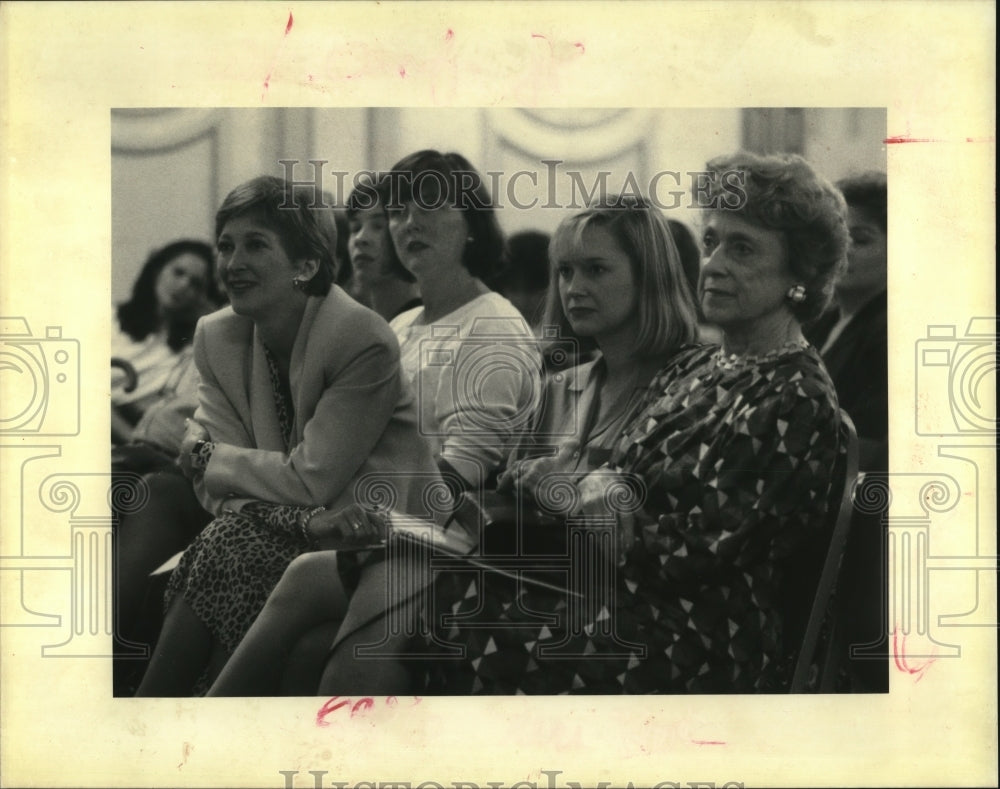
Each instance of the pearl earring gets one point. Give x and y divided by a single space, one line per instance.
797 294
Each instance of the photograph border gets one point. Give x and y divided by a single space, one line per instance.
930 63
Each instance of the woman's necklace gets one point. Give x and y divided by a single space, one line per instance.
735 361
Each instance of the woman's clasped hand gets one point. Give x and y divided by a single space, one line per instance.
353 526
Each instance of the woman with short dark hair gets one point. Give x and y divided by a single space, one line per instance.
853 338
301 397
444 228
853 334
473 365
380 280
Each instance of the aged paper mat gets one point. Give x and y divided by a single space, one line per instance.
64 66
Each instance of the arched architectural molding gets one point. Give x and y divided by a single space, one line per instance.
576 135
160 129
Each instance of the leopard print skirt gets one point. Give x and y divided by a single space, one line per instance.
227 573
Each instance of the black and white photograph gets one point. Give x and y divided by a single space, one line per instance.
537 359
498 395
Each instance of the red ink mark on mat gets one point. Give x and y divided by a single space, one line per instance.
581 47
903 138
449 35
545 39
402 72
332 705
903 663
708 742
188 747
267 79
355 708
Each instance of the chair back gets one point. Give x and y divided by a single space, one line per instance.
131 376
822 592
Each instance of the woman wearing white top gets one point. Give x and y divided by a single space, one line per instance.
154 328
468 351
475 370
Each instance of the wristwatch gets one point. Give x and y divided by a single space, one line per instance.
201 453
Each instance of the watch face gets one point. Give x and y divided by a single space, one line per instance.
200 454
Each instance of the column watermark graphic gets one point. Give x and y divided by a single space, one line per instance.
938 522
41 405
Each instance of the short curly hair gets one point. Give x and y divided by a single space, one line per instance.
783 192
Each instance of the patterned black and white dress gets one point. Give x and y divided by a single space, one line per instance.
737 460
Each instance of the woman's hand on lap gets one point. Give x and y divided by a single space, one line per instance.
524 476
350 527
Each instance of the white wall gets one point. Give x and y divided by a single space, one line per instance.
171 168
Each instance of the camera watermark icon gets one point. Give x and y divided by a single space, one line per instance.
40 381
965 367
490 376
938 527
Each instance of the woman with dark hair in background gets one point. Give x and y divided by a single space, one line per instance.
690 252
445 231
853 335
380 280
176 286
474 367
300 397
525 277
853 339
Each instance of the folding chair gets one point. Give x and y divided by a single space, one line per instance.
841 509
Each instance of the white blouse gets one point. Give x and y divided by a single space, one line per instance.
476 375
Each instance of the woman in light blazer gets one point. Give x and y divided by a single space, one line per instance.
301 408
618 289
